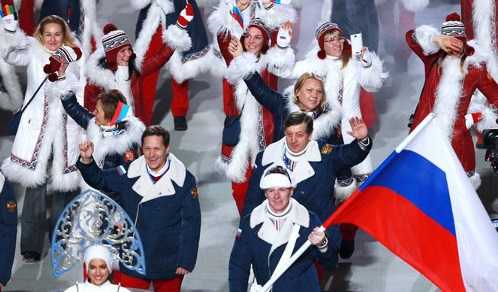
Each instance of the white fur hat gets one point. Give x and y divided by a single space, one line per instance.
98 252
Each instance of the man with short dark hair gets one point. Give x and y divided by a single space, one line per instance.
161 195
267 238
313 165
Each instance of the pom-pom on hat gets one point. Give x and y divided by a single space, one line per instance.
98 252
320 34
453 26
276 176
257 23
69 54
114 40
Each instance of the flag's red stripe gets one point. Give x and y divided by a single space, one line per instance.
407 232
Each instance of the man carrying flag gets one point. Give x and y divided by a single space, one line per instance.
445 233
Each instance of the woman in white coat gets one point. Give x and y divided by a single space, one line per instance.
45 147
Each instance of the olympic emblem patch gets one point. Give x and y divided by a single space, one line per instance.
11 206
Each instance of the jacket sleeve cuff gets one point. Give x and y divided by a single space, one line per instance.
423 35
343 189
177 38
241 67
281 61
372 77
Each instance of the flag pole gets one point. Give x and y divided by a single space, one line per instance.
277 273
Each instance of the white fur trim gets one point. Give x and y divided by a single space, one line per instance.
415 5
222 19
326 10
448 95
424 36
241 67
371 78
139 4
484 17
177 38
117 144
479 104
343 193
277 15
149 27
55 90
13 98
280 61
9 41
327 123
38 4
182 71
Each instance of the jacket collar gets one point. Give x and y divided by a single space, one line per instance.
297 215
144 185
274 153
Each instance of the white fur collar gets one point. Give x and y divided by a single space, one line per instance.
118 144
448 95
327 123
164 186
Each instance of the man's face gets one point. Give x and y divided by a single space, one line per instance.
98 272
155 152
278 198
296 137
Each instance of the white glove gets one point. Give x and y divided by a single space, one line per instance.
472 118
366 61
10 22
283 38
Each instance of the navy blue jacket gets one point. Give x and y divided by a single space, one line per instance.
315 192
8 229
249 249
277 104
168 223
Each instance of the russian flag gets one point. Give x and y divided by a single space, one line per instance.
237 15
420 204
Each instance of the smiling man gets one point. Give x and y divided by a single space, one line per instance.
313 165
160 193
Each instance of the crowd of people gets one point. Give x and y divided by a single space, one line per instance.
292 155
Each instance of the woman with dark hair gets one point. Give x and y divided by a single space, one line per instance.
118 67
45 148
99 266
239 148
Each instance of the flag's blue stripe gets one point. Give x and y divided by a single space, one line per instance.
419 181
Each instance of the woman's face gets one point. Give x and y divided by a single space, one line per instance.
310 94
98 272
123 56
334 44
253 42
100 118
53 37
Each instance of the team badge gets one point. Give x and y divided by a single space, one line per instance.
194 193
129 155
11 206
326 149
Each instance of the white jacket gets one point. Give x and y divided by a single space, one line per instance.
46 133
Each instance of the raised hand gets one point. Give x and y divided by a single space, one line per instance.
235 47
359 129
10 18
86 151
